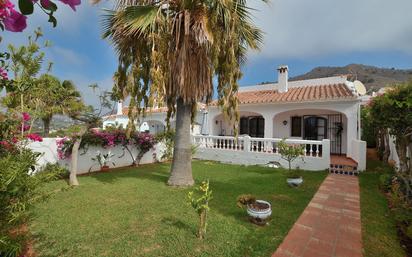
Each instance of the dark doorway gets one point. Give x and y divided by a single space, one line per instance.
253 126
315 128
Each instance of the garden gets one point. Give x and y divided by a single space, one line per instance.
174 206
132 212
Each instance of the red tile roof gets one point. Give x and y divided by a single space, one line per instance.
125 110
297 94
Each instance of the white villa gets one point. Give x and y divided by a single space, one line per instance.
321 114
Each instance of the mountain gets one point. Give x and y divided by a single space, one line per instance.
372 77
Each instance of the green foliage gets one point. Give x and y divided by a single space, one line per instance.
167 138
290 152
200 203
369 131
245 200
385 181
103 159
56 170
379 229
134 204
392 113
19 191
49 96
211 37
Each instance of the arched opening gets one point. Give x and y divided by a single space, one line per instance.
152 126
250 123
313 124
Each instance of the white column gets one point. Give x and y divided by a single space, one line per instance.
352 132
268 125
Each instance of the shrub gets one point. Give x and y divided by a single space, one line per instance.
290 152
19 190
106 139
167 138
385 182
245 200
56 170
201 205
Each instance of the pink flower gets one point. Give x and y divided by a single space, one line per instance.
26 116
15 21
72 3
3 73
35 137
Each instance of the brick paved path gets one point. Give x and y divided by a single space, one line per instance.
330 225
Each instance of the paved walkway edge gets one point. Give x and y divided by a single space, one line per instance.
330 226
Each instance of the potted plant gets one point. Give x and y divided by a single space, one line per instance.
294 178
290 153
259 211
103 160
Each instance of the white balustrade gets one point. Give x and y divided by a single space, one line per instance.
312 148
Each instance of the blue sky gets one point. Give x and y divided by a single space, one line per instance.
300 33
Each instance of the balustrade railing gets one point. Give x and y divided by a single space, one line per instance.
261 145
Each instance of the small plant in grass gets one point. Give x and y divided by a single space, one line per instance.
199 200
245 200
103 160
289 152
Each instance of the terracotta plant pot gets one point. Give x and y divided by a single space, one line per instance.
104 168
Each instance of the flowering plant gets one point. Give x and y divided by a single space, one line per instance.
107 139
16 21
14 131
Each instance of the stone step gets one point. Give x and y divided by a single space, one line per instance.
344 169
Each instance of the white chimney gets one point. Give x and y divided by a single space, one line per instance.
119 108
283 78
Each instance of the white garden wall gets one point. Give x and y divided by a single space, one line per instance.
358 153
48 149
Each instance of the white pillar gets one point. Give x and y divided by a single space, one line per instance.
119 108
359 122
268 126
352 132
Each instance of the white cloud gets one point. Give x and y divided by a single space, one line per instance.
69 57
301 28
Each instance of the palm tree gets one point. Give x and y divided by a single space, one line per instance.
50 96
174 48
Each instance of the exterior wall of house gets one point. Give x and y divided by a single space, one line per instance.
48 149
284 131
270 112
259 151
156 122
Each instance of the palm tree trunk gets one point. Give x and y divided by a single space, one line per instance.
46 126
181 172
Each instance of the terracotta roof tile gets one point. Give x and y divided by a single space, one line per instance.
297 94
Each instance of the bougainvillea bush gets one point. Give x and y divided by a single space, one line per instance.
142 142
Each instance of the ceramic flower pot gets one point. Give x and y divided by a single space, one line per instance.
294 182
261 210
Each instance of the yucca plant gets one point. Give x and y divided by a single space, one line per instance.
169 52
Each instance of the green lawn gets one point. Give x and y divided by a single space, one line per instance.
378 228
132 212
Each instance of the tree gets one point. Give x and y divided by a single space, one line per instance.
49 97
90 118
289 152
392 111
25 63
173 49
